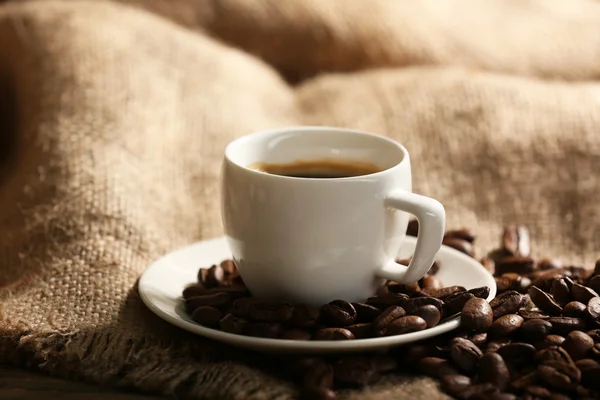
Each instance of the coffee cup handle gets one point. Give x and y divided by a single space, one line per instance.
432 223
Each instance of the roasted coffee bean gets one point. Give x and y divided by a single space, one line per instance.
574 309
544 279
528 314
495 345
534 330
503 283
410 323
295 334
207 316
194 290
416 352
386 300
361 331
482 292
365 312
384 319
409 289
590 377
304 316
489 265
592 311
444 292
333 334
578 344
413 228
505 325
507 303
553 354
544 301
463 233
518 353
594 334
548 263
319 375
356 371
454 384
338 313
585 363
582 293
519 265
436 367
550 341
262 310
477 315
217 300
594 283
229 268
537 391
384 364
480 339
560 291
269 330
455 303
232 324
564 325
493 369
211 277
430 314
559 375
523 381
410 305
516 240
459 244
479 391
465 354
430 282
317 393
499 396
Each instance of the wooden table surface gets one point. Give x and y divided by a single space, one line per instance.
19 384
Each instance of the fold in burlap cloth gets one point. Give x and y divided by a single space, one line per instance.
114 118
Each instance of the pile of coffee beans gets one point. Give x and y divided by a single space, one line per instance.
538 339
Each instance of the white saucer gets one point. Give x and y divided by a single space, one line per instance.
160 287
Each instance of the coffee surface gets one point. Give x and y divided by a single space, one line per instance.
318 169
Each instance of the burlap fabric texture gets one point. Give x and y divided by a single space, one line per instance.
114 118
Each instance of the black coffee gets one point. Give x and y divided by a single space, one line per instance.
318 169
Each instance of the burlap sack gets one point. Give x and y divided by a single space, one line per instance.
113 122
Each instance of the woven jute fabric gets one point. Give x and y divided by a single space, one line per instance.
114 117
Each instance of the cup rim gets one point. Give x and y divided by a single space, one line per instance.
312 128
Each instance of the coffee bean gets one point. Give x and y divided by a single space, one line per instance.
544 279
356 371
550 341
528 314
459 244
578 344
594 283
410 288
465 354
319 375
386 300
564 325
493 369
430 282
232 324
193 290
207 316
553 354
480 339
262 310
430 314
544 301
500 396
507 303
410 305
269 330
489 265
304 316
416 352
410 323
479 391
592 311
477 315
516 240
211 277
455 303
481 292
505 325
333 334
454 384
495 345
444 292
523 381
436 367
585 363
338 313
365 312
361 331
582 293
537 391
413 228
518 353
384 364
516 264
295 334
384 319
559 375
574 309
317 393
534 330
217 300
560 291
463 233
229 267
590 376
594 334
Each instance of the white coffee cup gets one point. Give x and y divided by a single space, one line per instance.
316 240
